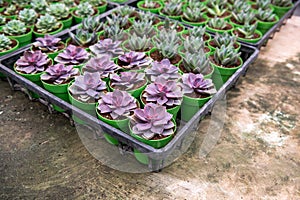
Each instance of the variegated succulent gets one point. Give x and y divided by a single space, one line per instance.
14 27
193 15
143 28
244 17
137 43
282 3
116 19
5 43
172 8
97 3
92 24
193 44
113 32
39 5
10 10
265 15
224 39
248 30
217 23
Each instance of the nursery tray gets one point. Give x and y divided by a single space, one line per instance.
268 35
156 156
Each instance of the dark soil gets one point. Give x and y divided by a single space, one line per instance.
36 30
122 64
228 27
199 21
241 35
181 67
156 55
212 43
222 16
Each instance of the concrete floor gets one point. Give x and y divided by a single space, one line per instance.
257 156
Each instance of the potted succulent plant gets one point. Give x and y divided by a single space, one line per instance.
39 6
169 26
3 21
197 91
240 6
132 82
107 47
224 39
62 13
21 3
11 11
281 6
198 32
99 4
92 24
115 108
7 45
164 69
194 17
218 25
71 4
116 19
136 61
103 65
226 62
28 16
266 19
85 91
240 19
3 5
83 10
143 28
50 45
31 66
114 32
82 38
263 4
47 24
127 10
17 30
172 9
164 92
56 79
217 9
248 33
150 5
73 55
193 45
138 44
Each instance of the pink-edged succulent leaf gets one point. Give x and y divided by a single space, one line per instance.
48 43
107 47
196 83
73 55
135 59
127 79
162 69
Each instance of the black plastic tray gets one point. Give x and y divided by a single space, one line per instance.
156 156
268 35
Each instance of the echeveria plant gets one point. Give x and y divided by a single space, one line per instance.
193 44
164 92
162 69
282 3
103 65
224 39
226 56
5 43
265 15
28 16
85 9
48 43
135 60
59 74
39 5
196 63
32 62
92 24
118 104
87 87
72 55
127 80
47 23
83 37
153 120
10 10
59 11
107 47
14 27
195 83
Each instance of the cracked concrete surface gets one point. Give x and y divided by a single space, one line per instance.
257 157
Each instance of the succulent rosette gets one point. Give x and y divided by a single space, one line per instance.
32 62
153 120
127 80
107 47
48 43
164 69
118 104
59 74
195 83
87 87
134 59
72 55
164 92
104 66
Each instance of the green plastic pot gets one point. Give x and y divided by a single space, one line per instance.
255 40
280 11
78 19
153 10
263 27
135 93
102 9
37 34
219 31
67 23
175 17
207 76
187 31
61 91
119 124
190 106
23 39
10 50
194 23
213 48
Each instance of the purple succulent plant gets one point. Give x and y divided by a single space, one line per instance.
163 69
153 120
127 80
32 62
102 65
164 92
107 47
48 43
195 83
59 74
88 87
135 60
72 55
118 104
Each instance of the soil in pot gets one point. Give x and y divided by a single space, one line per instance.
156 55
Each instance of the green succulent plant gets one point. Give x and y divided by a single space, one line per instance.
217 23
28 16
167 36
248 30
11 10
224 39
138 43
97 3
220 3
2 20
147 16
21 3
5 43
282 3
240 6
193 4
83 38
197 31
143 27
168 50
193 44
150 4
47 23
69 3
39 5
196 63
172 8
193 14
226 56
216 10
92 24
113 32
244 17
59 11
125 10
263 4
265 15
85 9
117 19
14 27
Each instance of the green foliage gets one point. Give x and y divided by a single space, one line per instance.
83 37
5 43
172 8
143 27
10 10
193 14
265 15
85 9
282 3
217 23
244 17
138 43
39 5
196 63
224 39
193 44
58 10
28 16
226 56
47 23
248 30
14 27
